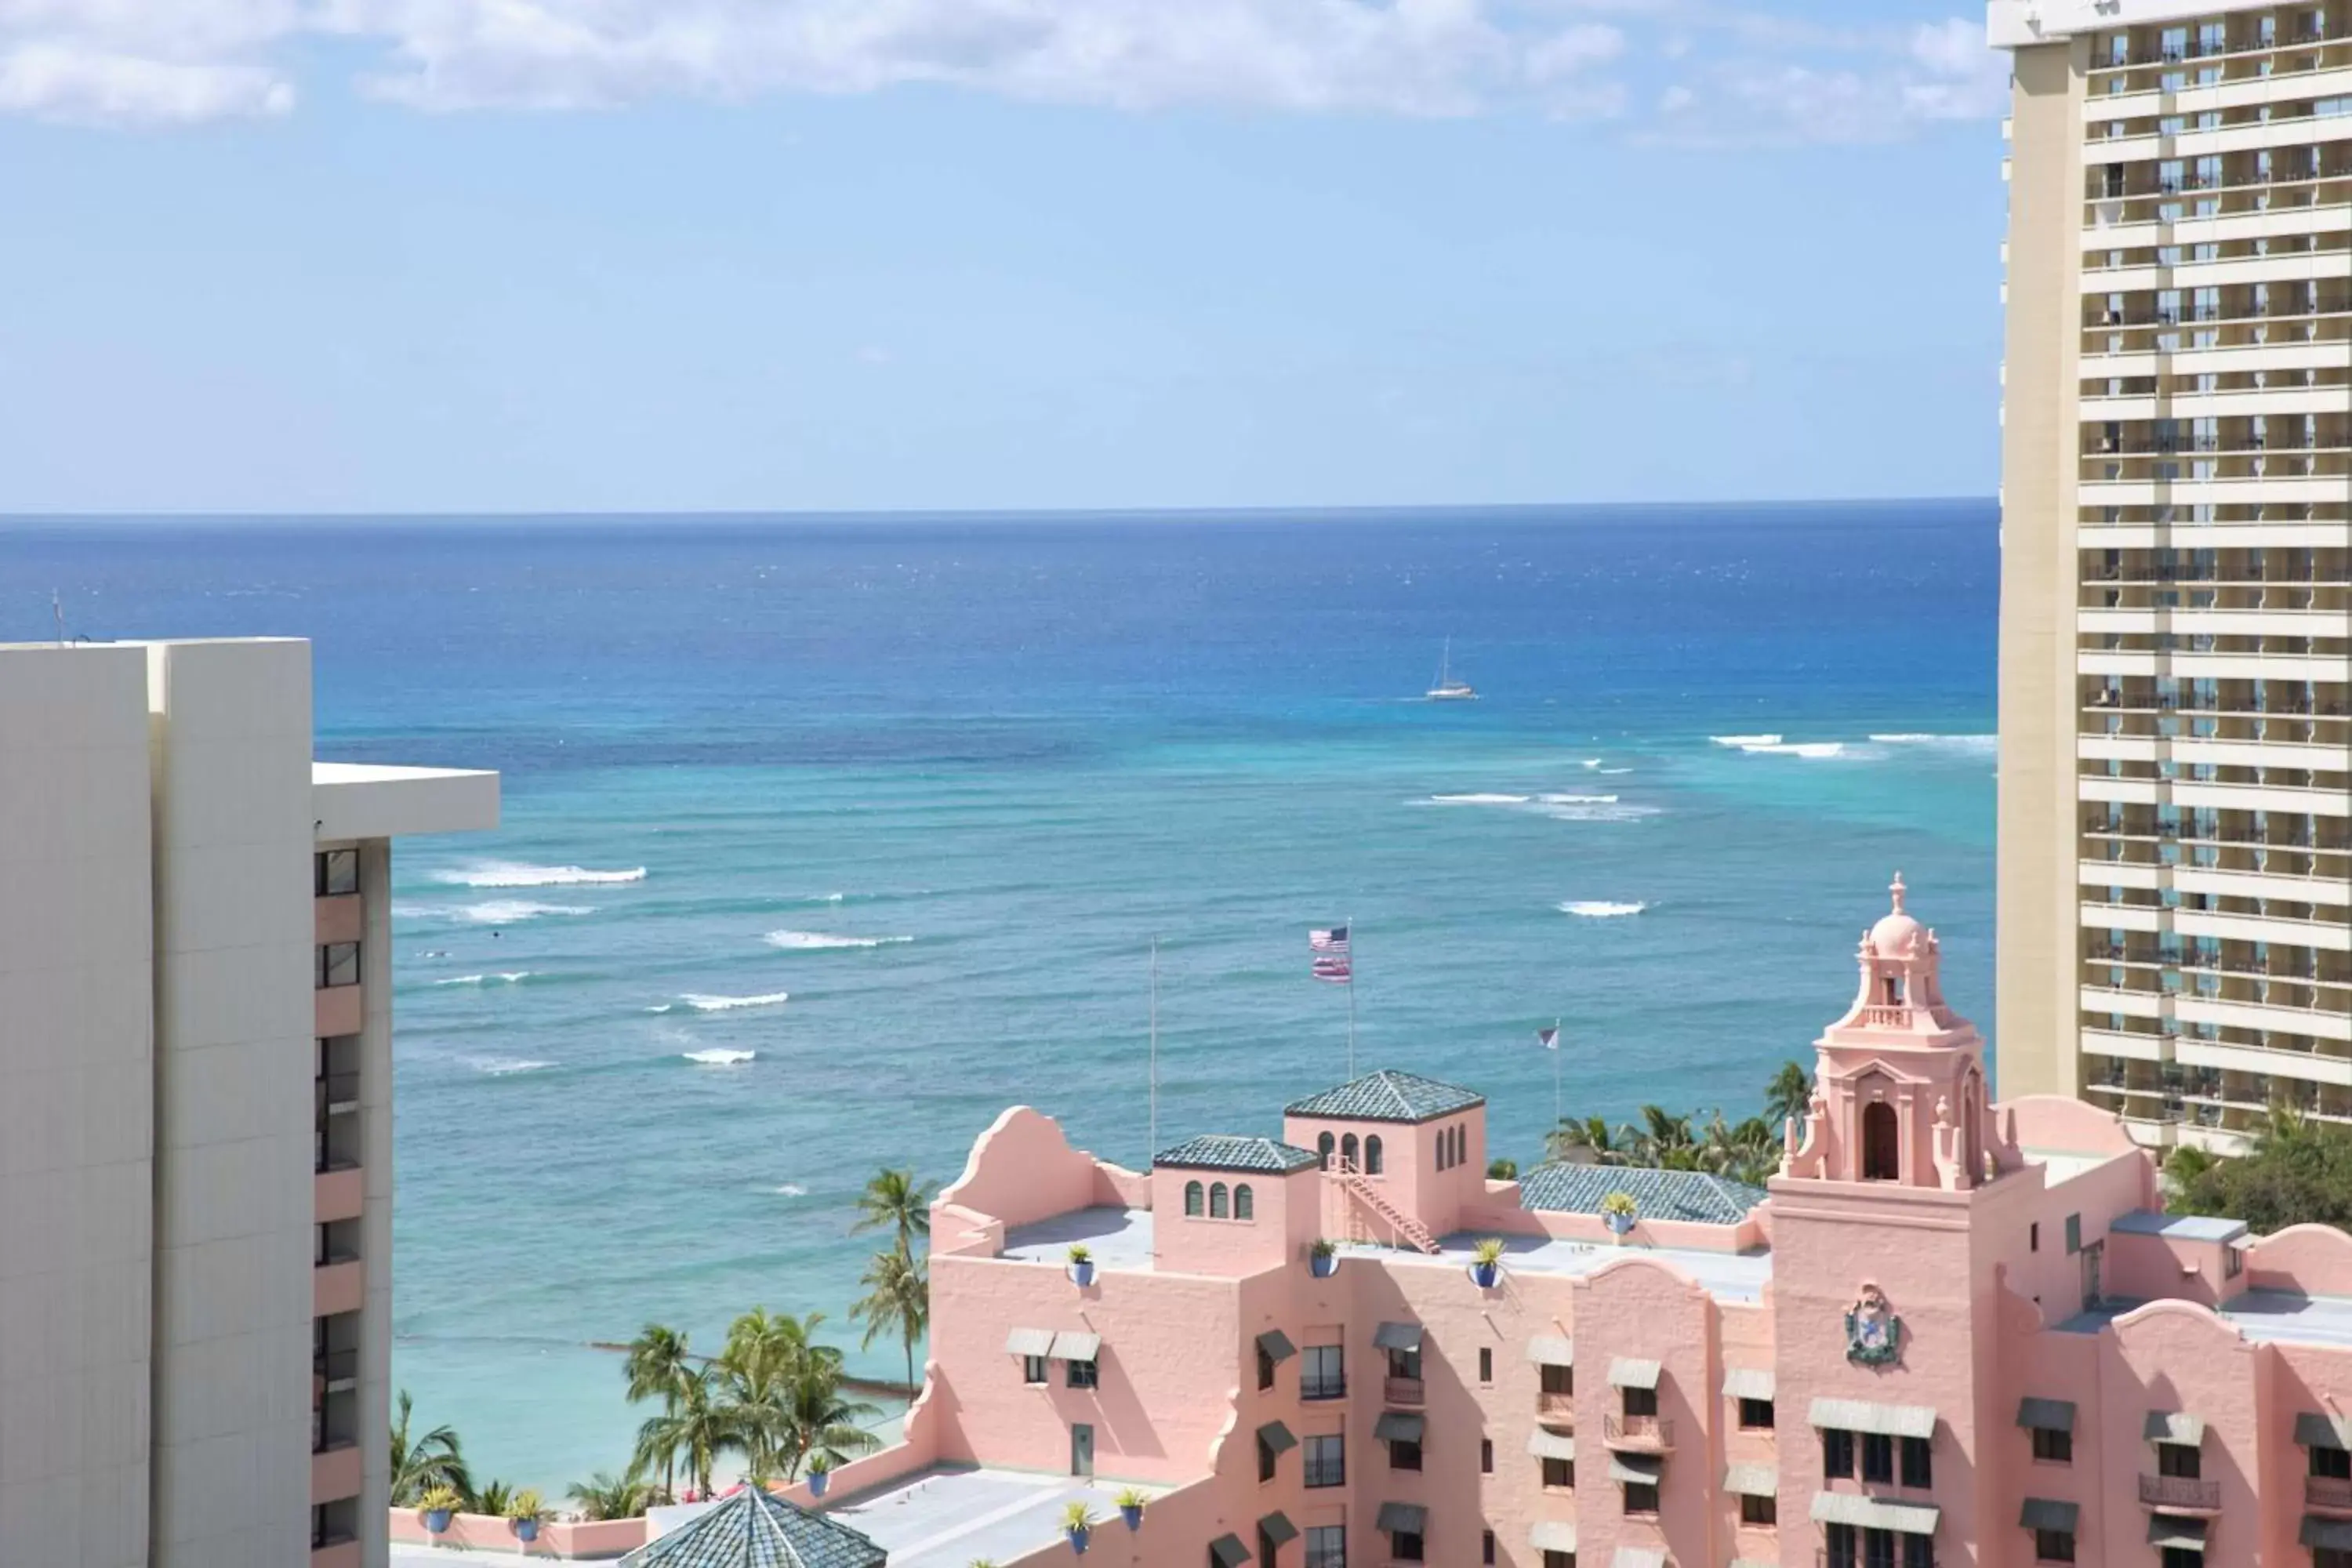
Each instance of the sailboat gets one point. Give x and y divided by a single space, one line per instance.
1447 688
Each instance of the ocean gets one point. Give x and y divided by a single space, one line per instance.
826 840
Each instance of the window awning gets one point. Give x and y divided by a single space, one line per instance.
1276 1437
2318 1429
1638 1557
1277 1345
1408 1517
1029 1341
2046 1415
1851 1507
1398 1336
1752 1481
2172 1426
1551 1350
2043 1514
1629 1372
1886 1420
1397 1426
2334 1534
1227 1552
1749 1382
1546 1445
1552 1535
1071 1345
1637 1470
2165 1530
1277 1529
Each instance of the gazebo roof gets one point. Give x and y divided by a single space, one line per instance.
753 1528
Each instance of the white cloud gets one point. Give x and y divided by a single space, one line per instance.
1896 83
87 86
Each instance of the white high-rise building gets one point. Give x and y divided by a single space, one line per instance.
2176 486
195 1109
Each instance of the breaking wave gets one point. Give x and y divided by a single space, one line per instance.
512 977
1601 910
508 873
1478 800
817 941
720 1056
729 1004
505 1066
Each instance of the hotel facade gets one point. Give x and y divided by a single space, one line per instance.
1952 1332
196 1131
2175 851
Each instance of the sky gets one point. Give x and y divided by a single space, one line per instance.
516 255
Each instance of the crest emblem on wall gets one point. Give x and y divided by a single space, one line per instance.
1873 1334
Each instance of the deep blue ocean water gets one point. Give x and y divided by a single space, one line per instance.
942 781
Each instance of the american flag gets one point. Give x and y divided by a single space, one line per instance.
1331 955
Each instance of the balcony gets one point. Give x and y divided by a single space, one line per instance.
2327 1494
1401 1391
2181 1494
335 1471
338 1010
337 1193
338 1285
1638 1434
1322 1388
1557 1410
339 1551
336 916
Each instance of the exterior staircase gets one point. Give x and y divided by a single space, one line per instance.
1408 1230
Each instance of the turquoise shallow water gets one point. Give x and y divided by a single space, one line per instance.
941 785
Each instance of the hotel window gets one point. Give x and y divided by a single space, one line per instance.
1323 1372
1758 1509
1486 1456
1405 1363
1327 1546
336 871
1033 1369
1641 1401
1486 1550
2053 1546
1348 1151
1878 1458
1559 1560
1265 1367
1560 1474
1641 1496
2073 1234
1918 1462
2181 1459
1217 1202
1486 1363
1325 1459
2182 1557
1323 1149
1082 1374
1268 1455
1558 1379
1837 1452
1192 1191
1755 1413
1373 1155
1404 1454
2034 1236
1405 1546
1268 1546
2053 1448
1244 1203
2332 1464
339 964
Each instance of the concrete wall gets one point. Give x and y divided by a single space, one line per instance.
76 1177
234 928
375 1160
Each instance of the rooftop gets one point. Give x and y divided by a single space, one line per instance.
1218 1151
2275 1316
1119 1238
948 1518
1693 1196
357 799
1726 1276
752 1529
2179 1226
1387 1096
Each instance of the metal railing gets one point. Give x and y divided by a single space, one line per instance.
2327 1491
1556 1409
2178 1492
1650 1431
1402 1390
1323 1388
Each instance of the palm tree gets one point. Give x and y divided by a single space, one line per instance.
1749 1153
660 1367
420 1464
1790 1094
895 1200
818 1420
898 1298
1591 1139
491 1499
1664 1141
699 1427
602 1497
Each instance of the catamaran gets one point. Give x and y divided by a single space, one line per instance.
1447 688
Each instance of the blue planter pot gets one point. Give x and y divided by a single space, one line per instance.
1133 1514
1323 1266
1084 1273
1485 1274
818 1481
1078 1538
1618 1223
526 1531
436 1519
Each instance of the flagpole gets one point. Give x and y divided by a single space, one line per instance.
1351 998
1154 1150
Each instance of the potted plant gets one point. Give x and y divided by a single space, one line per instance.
1323 1258
435 1506
1487 1262
819 1473
1082 1268
525 1513
1617 1214
1130 1507
1079 1523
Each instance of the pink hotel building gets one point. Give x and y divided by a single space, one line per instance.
1952 1332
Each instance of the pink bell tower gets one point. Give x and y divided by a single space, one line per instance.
1899 1089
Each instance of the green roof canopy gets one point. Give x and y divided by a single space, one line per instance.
1387 1096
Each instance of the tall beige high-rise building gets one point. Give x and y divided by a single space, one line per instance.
2175 495
195 1109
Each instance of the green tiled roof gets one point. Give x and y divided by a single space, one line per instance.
1691 1195
1218 1151
1387 1096
755 1530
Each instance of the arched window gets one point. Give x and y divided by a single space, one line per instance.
1245 1203
1894 991
1217 1201
1461 1144
1445 1147
1347 1151
1373 1155
1881 1144
1323 1146
1192 1199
